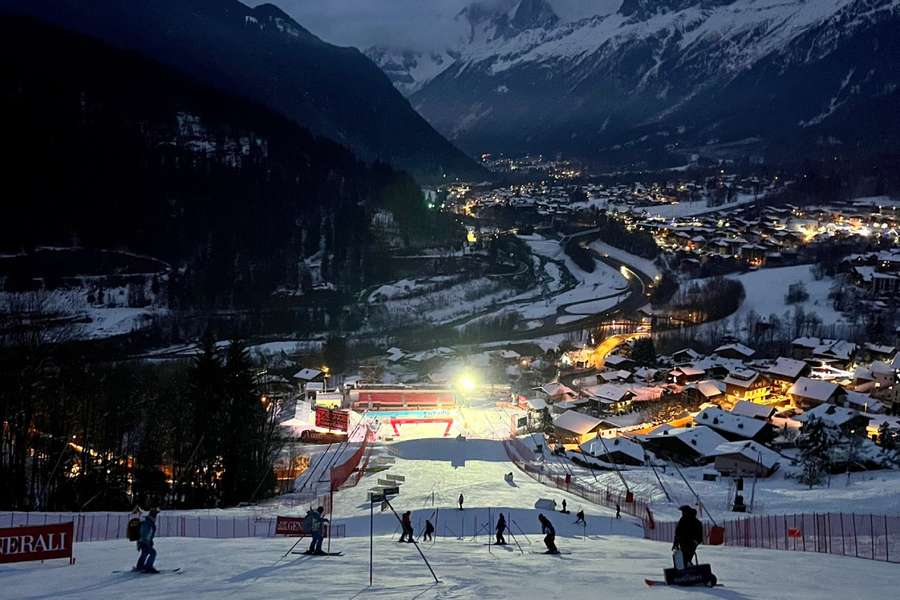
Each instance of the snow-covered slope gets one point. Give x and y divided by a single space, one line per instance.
672 74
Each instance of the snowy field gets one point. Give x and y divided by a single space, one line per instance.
692 209
644 265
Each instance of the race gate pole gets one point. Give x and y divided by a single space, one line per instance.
371 537
427 564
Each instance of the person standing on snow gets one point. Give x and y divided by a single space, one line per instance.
315 524
688 534
429 532
145 543
564 509
461 502
618 511
501 528
579 518
549 534
406 524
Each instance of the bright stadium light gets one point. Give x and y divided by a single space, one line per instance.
466 382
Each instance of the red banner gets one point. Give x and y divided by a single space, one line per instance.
289 526
43 542
332 419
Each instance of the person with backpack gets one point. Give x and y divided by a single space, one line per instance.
688 534
501 528
549 534
427 536
406 524
133 531
145 543
314 525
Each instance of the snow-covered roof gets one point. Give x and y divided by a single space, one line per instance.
736 424
573 403
307 374
814 389
611 392
599 447
615 375
739 348
786 367
615 359
830 413
536 403
702 440
880 349
660 429
509 354
710 388
862 401
745 408
557 389
690 371
751 450
576 422
743 378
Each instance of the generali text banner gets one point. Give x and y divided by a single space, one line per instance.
39 542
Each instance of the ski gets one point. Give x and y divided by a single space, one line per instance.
161 571
319 553
656 582
551 553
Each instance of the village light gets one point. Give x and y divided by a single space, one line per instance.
466 382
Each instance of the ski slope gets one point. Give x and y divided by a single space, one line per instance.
605 559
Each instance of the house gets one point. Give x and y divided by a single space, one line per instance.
808 393
610 396
684 356
746 459
576 428
746 384
686 374
851 422
557 392
736 351
734 427
785 372
684 445
619 362
837 351
745 408
617 451
708 390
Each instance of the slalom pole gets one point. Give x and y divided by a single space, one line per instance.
521 530
490 520
371 537
515 539
422 554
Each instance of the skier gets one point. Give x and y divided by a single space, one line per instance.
145 543
564 511
501 528
618 511
568 480
688 534
549 534
579 518
407 535
314 525
429 532
460 501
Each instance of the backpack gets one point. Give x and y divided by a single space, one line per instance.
134 529
309 522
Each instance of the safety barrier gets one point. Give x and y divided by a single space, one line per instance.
628 503
875 537
97 527
341 473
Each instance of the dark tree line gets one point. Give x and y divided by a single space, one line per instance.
84 435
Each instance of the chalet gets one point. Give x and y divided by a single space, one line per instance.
684 356
745 408
575 428
736 351
746 384
746 459
610 396
837 351
686 374
808 393
707 390
617 451
684 445
785 372
734 427
556 392
615 361
851 422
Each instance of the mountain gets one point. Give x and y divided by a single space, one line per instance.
264 55
110 150
659 81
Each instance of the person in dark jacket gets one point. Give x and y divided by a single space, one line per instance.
579 518
688 534
618 511
145 543
549 534
406 523
428 536
501 529
461 500
317 523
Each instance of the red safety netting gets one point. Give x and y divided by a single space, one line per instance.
341 473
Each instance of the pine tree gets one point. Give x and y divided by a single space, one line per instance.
205 399
814 442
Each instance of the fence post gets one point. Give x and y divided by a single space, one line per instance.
887 541
872 533
855 537
843 549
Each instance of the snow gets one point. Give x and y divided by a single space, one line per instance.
644 265
836 415
787 367
745 408
814 389
751 450
733 423
576 422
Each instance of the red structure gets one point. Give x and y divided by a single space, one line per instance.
377 398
